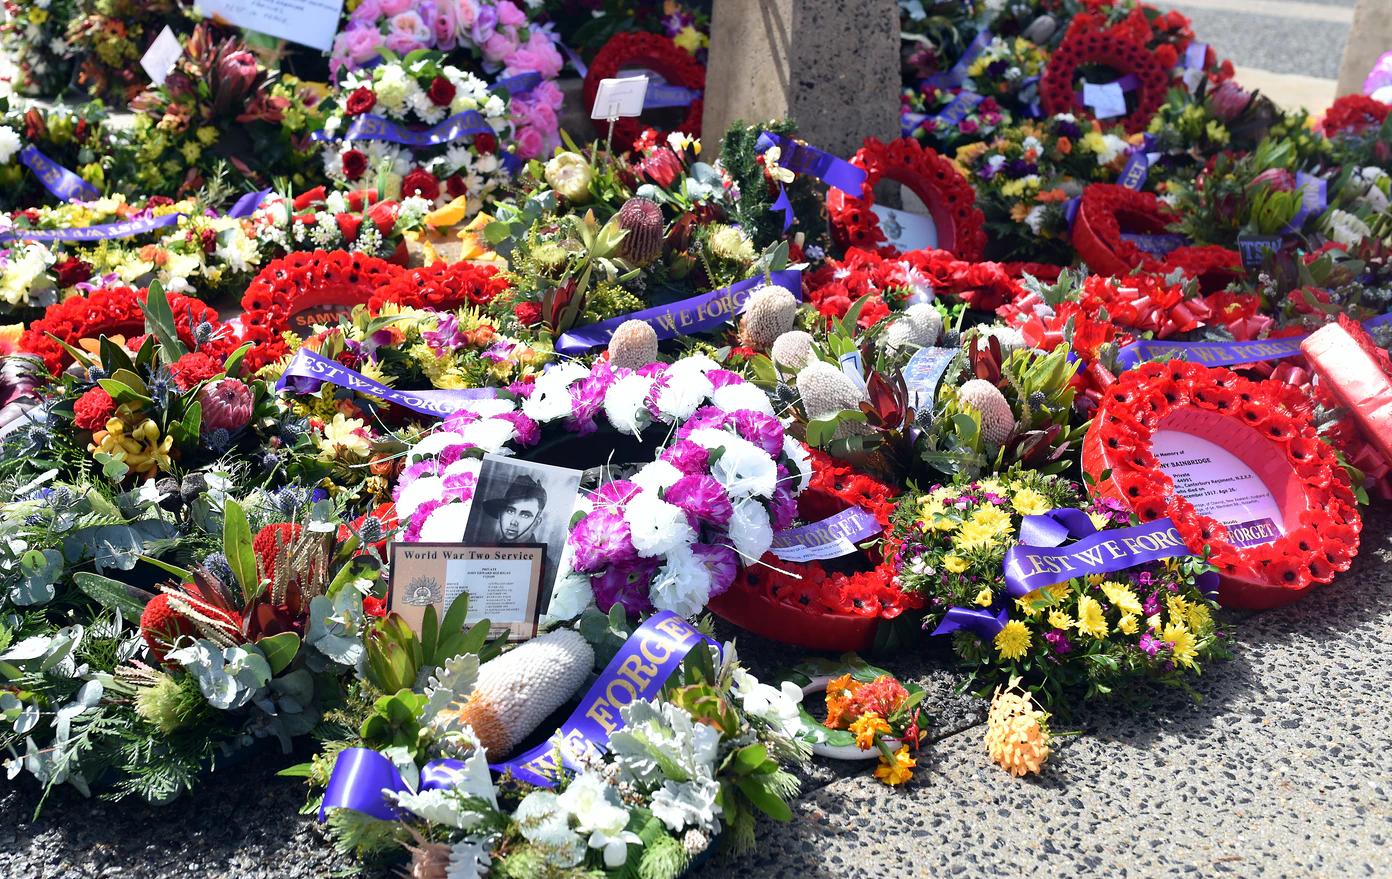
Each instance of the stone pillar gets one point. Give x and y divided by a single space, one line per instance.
1369 37
831 65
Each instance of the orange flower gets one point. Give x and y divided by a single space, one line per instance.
865 728
1019 211
1049 196
839 694
898 770
1031 154
1065 146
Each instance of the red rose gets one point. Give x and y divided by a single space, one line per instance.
421 182
441 92
354 164
454 185
348 225
93 409
72 271
485 143
360 101
383 214
528 314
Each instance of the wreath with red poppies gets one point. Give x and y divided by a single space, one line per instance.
442 285
803 603
949 196
648 52
300 281
1353 114
1106 208
1266 426
117 311
1086 45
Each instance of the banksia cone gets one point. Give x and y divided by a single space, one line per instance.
826 390
769 314
518 690
174 614
633 345
642 219
921 325
792 349
997 421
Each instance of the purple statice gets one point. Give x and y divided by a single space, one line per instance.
600 540
706 416
1149 644
721 561
625 584
701 496
687 457
614 494
528 433
762 430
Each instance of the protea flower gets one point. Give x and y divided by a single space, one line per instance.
1228 101
226 405
1279 179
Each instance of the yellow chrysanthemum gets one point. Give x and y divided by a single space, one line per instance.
994 519
1178 609
1013 641
1029 502
1060 619
954 563
898 771
1100 520
1122 597
1184 649
1153 622
865 728
1091 622
984 598
1200 618
994 486
1127 625
974 535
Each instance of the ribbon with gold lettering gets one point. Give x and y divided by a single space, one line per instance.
370 127
693 315
64 184
640 669
308 371
1029 567
1222 353
91 233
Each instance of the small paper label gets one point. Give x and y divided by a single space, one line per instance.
1106 100
830 538
923 372
1218 484
160 58
907 231
620 97
312 23
854 368
1195 54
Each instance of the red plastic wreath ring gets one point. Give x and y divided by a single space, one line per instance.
949 197
649 52
1264 425
1057 93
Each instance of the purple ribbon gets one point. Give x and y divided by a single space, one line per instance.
1222 353
809 160
669 96
247 204
957 74
1133 176
982 621
830 538
1156 245
361 776
91 233
308 371
909 121
1031 567
516 85
639 670
64 184
688 316
370 127
958 109
1194 55
786 206
1314 198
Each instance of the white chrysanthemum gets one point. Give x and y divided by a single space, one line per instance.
572 593
656 476
490 434
801 460
745 395
446 524
432 445
656 526
682 584
751 530
744 469
776 706
625 404
1115 147
9 144
550 399
426 488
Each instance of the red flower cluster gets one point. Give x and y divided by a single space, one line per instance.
948 195
1087 44
1138 404
442 285
93 409
1353 114
300 281
193 368
421 182
647 51
72 271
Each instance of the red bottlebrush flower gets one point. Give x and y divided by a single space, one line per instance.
93 409
193 368
72 271
226 405
455 186
528 314
1289 572
441 92
421 182
486 144
354 164
360 101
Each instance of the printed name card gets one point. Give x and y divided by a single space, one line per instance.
620 97
312 23
503 584
161 57
1105 99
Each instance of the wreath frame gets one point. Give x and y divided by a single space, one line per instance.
651 52
1058 95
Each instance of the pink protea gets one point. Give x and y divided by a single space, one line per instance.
1279 179
226 404
1228 101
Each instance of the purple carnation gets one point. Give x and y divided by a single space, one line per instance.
722 563
587 397
418 518
687 457
450 454
461 485
706 416
723 377
601 539
762 430
701 496
626 585
460 420
782 508
528 433
522 389
655 370
614 494
428 467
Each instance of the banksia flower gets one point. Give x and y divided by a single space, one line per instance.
792 349
1016 735
641 218
518 690
1010 339
997 421
769 314
175 613
825 390
633 345
921 325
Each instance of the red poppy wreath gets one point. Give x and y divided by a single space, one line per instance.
442 285
936 181
1058 93
802 603
647 52
1237 466
1106 209
299 282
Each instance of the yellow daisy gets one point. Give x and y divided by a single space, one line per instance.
1184 649
1013 641
1127 625
954 563
1122 597
1060 619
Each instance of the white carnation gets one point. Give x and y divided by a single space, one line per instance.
490 434
744 469
751 530
433 445
9 144
682 585
550 399
656 526
657 476
683 394
745 395
799 457
426 488
446 524
625 403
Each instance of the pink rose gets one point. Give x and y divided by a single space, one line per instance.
405 44
467 13
445 26
395 7
530 143
368 10
362 45
548 93
409 24
534 56
510 16
535 114
498 47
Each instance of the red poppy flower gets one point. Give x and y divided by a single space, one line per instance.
1277 427
1337 555
1321 571
1288 571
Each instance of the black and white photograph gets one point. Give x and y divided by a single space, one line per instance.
519 502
